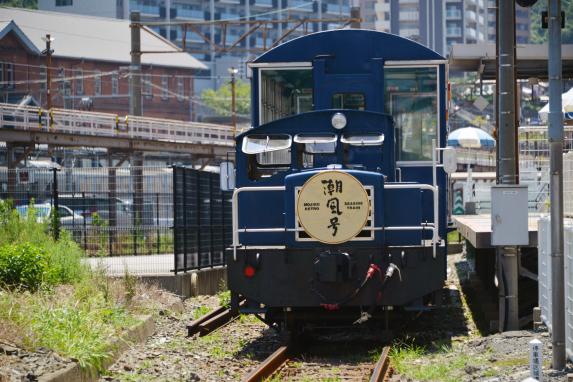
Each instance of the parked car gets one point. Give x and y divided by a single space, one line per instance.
88 205
44 210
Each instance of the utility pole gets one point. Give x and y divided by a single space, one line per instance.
507 256
355 14
233 71
48 53
135 68
555 133
135 110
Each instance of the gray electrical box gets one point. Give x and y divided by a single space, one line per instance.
509 215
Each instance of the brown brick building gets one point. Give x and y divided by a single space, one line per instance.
89 68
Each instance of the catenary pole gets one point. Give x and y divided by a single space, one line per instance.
135 68
555 131
507 169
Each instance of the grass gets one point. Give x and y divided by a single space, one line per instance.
74 311
421 364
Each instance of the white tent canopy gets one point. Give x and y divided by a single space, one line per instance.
567 107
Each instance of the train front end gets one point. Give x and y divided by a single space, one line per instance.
339 204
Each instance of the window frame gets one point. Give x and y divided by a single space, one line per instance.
164 87
97 83
78 75
114 84
416 64
274 66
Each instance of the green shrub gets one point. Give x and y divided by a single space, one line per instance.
64 260
22 266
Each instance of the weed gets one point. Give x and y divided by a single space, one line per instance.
130 283
224 298
201 311
416 362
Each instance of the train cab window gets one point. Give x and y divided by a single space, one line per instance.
315 150
284 92
363 139
352 101
411 95
267 154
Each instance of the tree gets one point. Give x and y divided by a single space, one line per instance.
32 4
220 100
538 34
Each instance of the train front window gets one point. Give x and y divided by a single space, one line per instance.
284 92
267 154
352 101
411 95
363 139
315 150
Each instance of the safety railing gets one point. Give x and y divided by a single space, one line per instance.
111 125
434 226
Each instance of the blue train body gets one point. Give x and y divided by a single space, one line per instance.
389 97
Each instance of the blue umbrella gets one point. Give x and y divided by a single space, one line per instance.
471 137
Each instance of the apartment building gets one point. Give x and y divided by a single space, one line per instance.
212 10
522 23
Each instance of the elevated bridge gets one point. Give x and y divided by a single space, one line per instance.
25 126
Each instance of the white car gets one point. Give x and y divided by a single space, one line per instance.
67 216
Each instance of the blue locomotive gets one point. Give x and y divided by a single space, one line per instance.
339 208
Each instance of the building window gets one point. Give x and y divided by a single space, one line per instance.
97 83
7 74
180 89
65 85
79 81
147 86
164 87
64 3
43 78
114 84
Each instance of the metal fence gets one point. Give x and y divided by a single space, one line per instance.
533 172
544 272
202 217
119 214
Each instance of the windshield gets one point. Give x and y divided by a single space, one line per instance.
317 143
257 144
363 139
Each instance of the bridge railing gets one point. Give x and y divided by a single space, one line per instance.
112 125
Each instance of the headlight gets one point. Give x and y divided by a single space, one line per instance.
338 121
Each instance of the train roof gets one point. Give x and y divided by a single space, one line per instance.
357 45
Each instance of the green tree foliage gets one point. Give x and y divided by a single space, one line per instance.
32 4
220 99
538 34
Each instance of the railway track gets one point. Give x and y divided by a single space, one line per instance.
290 363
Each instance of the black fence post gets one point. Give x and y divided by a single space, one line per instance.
184 209
85 223
198 220
175 221
109 226
157 222
55 214
211 248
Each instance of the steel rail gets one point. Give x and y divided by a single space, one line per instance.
270 365
382 371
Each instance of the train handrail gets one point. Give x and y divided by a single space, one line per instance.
434 227
235 210
436 222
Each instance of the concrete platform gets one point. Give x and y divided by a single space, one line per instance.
477 229
157 269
